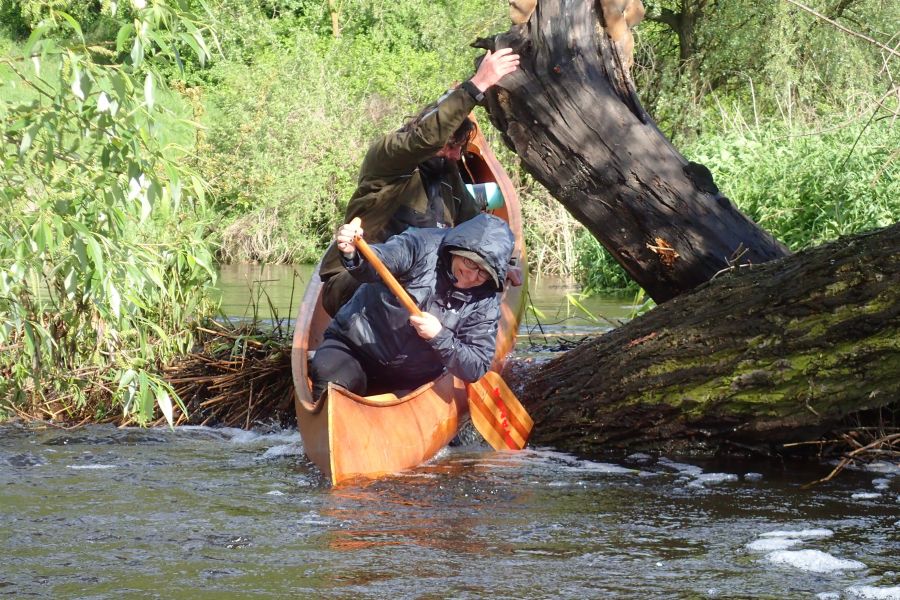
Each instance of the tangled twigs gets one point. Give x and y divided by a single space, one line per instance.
887 446
240 377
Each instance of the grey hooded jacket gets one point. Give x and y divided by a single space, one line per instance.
376 324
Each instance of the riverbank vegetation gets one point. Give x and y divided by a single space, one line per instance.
104 240
146 140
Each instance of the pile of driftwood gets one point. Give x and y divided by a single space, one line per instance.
865 438
241 376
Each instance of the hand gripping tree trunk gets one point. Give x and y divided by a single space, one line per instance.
572 115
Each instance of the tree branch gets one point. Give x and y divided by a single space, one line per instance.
844 29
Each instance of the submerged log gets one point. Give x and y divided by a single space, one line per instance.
770 354
572 115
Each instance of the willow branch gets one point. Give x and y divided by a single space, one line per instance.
844 29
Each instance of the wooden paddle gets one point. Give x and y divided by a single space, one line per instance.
496 412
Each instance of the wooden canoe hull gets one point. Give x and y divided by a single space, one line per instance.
354 436
349 436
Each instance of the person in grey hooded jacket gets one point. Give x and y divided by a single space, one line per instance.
453 275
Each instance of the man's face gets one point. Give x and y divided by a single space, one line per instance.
467 273
451 151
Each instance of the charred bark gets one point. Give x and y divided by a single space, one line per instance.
763 354
572 115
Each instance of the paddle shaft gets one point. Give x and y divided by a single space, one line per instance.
387 276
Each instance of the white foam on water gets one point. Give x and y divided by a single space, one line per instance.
240 436
607 468
772 544
865 495
814 561
244 436
640 456
802 534
681 467
882 467
91 467
881 483
712 478
314 519
443 452
562 461
285 436
416 474
274 493
753 476
874 593
283 450
828 596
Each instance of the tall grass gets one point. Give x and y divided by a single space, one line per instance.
808 187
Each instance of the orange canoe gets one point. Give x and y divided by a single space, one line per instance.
349 436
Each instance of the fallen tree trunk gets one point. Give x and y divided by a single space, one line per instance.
572 115
771 353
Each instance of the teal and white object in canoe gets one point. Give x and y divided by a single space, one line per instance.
489 193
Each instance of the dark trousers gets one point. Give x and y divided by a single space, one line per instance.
335 361
337 291
340 363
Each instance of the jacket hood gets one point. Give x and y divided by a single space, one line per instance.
487 236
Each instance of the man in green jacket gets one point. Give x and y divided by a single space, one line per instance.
410 177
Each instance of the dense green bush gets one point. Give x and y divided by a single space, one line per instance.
104 257
809 187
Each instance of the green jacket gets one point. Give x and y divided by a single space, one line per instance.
390 194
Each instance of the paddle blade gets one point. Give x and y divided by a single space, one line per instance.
497 414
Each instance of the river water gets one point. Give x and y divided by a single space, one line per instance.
195 513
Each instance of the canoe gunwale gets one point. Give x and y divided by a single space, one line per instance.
389 398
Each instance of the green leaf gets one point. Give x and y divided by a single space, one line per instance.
192 42
34 39
121 85
122 36
95 254
198 188
148 90
25 144
137 52
178 60
115 301
70 283
72 23
76 85
146 208
164 401
202 43
30 342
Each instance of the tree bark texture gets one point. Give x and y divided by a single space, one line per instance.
572 115
765 353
